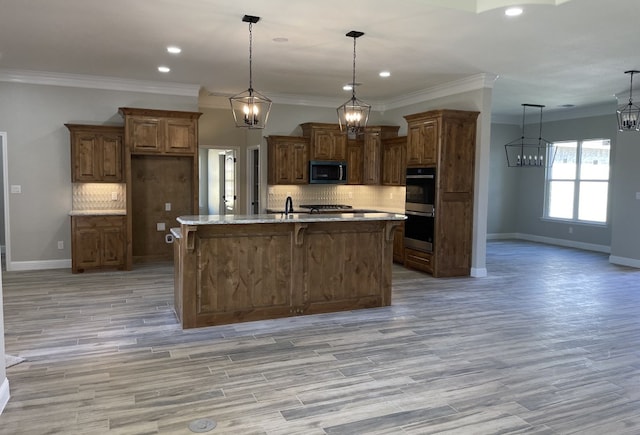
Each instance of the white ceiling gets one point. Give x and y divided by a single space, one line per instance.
572 52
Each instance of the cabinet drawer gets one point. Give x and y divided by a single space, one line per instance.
98 221
418 260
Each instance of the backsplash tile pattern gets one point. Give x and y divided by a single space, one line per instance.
98 196
384 198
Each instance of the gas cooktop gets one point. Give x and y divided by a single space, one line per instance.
326 207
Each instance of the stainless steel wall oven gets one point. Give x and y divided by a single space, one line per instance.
419 209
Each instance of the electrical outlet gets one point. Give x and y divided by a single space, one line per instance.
391 195
350 195
167 206
160 226
637 195
60 244
114 196
570 230
16 188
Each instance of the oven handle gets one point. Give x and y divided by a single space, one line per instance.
420 213
430 176
341 178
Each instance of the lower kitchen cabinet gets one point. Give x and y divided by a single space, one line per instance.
97 242
418 260
398 244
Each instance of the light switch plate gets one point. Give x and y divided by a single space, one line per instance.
16 188
637 195
160 226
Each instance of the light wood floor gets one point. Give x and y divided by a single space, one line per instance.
548 343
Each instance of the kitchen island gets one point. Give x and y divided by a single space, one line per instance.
240 268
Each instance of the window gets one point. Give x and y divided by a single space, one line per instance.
577 185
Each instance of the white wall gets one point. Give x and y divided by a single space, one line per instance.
39 159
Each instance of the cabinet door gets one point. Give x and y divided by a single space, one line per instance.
299 169
282 167
393 167
85 155
429 133
144 134
354 162
111 158
415 147
180 136
113 245
372 158
86 248
322 145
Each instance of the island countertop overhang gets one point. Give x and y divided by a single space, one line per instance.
290 218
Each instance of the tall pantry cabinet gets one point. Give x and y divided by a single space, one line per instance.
445 139
161 171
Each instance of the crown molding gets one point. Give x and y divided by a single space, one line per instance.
471 83
98 82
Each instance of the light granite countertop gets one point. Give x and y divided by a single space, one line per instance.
291 218
114 212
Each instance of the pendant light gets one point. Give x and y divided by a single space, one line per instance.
354 114
250 108
629 114
528 152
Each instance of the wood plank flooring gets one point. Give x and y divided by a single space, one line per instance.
548 343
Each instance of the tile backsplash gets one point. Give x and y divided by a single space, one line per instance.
384 198
99 196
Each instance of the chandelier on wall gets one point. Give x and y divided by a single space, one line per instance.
354 114
250 108
629 114
530 152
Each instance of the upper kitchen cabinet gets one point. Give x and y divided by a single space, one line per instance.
422 140
326 141
372 151
354 162
288 160
393 161
161 131
96 153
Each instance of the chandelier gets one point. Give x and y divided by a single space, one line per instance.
629 114
250 108
529 151
353 114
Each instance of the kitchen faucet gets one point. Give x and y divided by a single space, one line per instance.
288 206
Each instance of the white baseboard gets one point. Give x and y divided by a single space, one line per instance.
4 394
623 261
551 241
39 265
478 272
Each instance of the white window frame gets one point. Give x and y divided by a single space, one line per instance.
576 185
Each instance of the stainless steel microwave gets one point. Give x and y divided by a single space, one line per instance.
327 172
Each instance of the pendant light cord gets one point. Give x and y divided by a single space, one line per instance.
250 57
631 90
353 83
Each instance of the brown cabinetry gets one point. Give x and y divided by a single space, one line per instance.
97 242
393 161
372 151
288 160
422 140
398 244
354 162
446 140
160 131
326 141
96 153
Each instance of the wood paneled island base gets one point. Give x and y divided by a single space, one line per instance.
232 269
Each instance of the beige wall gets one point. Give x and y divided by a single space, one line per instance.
39 159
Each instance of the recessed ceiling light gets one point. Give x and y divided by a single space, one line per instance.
164 69
280 39
513 12
385 74
174 49
347 87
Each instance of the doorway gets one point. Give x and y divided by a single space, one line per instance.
253 185
218 181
